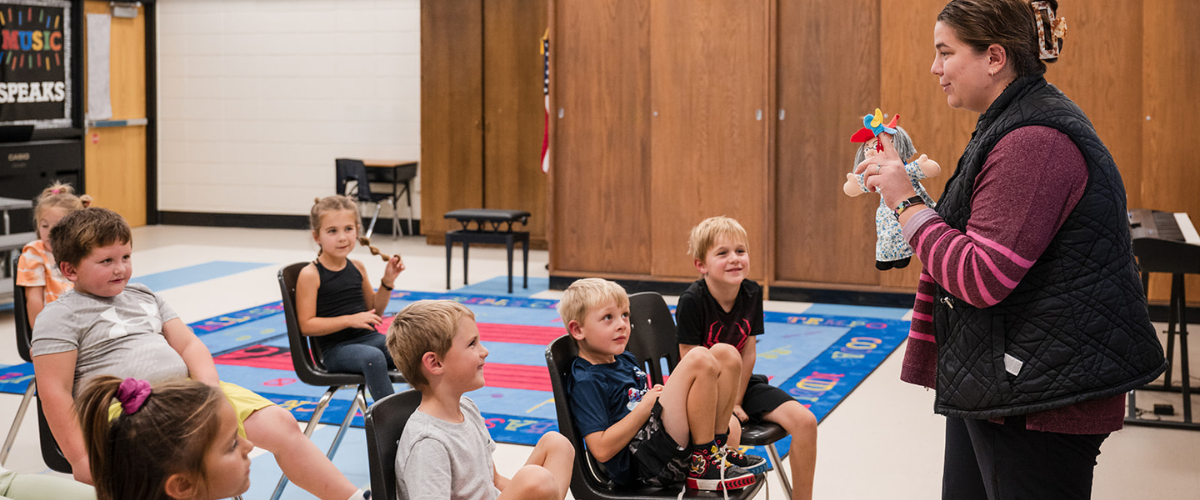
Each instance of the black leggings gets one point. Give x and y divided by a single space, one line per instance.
988 461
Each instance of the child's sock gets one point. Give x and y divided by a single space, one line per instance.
360 495
704 448
721 439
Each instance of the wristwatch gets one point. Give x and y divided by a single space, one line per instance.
906 204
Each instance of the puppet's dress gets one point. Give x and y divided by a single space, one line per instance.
889 243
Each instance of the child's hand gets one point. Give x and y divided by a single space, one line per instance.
651 396
365 320
740 413
394 267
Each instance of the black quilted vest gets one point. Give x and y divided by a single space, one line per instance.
1077 322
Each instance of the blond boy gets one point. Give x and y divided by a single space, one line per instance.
660 435
445 451
723 307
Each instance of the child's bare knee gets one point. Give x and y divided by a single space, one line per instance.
556 443
727 355
270 425
536 482
701 360
797 419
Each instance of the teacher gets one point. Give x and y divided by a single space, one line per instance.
1030 319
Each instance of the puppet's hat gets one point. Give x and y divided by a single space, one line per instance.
873 126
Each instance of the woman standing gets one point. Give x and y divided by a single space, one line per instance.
1030 319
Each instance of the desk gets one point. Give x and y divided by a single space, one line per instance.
7 204
396 172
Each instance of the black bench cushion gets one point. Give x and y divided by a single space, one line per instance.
488 215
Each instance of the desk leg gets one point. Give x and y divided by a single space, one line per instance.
509 245
449 253
525 262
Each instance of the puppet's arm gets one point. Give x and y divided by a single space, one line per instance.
854 185
922 167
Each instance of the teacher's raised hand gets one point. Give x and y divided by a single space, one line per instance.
884 173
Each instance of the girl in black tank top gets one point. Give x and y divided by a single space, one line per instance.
336 304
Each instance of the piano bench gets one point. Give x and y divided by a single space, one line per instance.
488 229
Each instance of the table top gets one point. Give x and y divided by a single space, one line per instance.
388 163
14 204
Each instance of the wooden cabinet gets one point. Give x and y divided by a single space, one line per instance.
482 110
657 126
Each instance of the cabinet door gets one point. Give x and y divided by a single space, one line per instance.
709 82
451 111
601 78
828 78
514 110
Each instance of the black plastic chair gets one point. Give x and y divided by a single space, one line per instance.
309 369
385 424
24 336
350 170
653 340
588 480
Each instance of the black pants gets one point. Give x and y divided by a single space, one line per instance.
988 461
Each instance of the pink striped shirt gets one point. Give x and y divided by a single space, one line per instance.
1027 187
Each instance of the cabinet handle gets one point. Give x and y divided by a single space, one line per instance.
781 113
560 113
758 115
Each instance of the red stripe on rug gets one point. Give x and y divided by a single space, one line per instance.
519 334
534 378
258 356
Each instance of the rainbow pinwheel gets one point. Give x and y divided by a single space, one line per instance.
873 126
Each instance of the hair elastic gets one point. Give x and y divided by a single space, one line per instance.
132 393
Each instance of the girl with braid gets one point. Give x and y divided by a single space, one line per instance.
335 302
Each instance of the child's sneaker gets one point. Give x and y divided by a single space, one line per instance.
709 473
750 463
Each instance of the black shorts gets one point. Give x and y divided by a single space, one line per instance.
657 459
762 398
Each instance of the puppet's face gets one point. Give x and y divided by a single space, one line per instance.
872 148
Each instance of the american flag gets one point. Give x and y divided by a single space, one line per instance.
546 93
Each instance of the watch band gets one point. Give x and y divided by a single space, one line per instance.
910 202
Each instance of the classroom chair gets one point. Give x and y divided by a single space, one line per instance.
588 479
24 336
385 422
349 170
652 341
306 360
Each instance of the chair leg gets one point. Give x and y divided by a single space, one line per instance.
395 218
778 464
360 402
308 430
12 433
375 217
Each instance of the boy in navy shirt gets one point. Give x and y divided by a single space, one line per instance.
659 435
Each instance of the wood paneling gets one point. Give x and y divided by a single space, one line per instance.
1172 69
601 148
708 132
1101 70
451 110
828 78
514 109
115 158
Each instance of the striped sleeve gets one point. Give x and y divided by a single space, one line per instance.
1028 186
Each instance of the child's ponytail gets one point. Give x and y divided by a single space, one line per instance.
156 432
59 195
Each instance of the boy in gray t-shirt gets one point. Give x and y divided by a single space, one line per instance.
445 450
107 327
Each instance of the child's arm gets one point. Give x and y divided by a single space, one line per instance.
380 298
194 353
55 380
35 301
306 309
607 443
749 354
501 482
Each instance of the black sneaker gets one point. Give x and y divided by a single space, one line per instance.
750 463
709 473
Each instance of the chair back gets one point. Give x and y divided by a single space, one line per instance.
21 317
652 336
51 453
385 422
353 170
587 474
307 364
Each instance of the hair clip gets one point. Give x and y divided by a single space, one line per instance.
132 393
1051 29
55 190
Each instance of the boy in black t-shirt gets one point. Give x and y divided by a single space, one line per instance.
724 307
642 433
